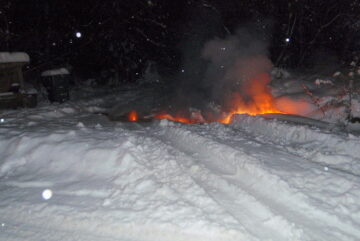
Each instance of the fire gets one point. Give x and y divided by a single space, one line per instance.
133 116
260 99
177 118
254 99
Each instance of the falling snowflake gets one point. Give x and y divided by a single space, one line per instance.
78 34
47 194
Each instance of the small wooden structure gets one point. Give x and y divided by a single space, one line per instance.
12 94
57 84
11 70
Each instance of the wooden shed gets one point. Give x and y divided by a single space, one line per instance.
11 79
11 70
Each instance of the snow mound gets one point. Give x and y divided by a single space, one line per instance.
52 72
14 57
126 178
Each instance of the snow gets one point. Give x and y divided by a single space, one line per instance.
52 72
31 91
6 94
68 173
317 96
12 57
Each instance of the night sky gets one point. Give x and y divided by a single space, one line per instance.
96 36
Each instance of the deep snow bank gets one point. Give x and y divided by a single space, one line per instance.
104 180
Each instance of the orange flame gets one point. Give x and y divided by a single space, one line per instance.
255 99
177 118
261 101
133 116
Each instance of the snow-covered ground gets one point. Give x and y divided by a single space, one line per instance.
67 173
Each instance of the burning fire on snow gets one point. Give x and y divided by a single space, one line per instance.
260 100
256 100
133 116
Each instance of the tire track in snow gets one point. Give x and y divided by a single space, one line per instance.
327 184
252 177
155 151
223 194
328 148
255 216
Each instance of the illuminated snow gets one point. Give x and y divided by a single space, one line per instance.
259 178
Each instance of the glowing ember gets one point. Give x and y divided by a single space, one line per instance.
133 116
177 118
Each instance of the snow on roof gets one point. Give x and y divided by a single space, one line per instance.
52 72
14 57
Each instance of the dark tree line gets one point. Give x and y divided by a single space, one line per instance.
117 36
122 36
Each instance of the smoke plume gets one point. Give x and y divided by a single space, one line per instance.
236 62
235 75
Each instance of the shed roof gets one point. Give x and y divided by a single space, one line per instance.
52 72
14 57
